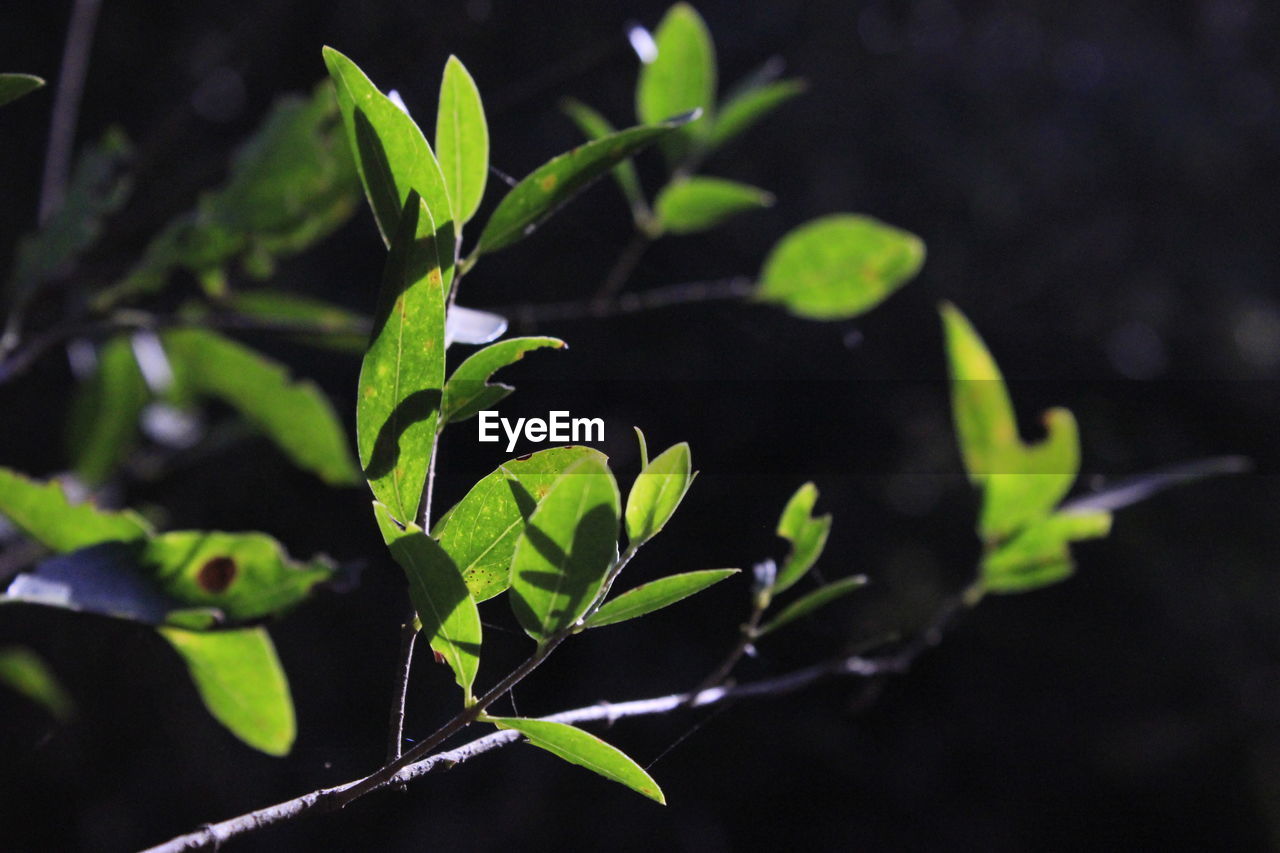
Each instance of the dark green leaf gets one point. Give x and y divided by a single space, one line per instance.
743 109
689 205
327 325
586 750
807 604
839 266
680 79
22 670
14 86
595 126
468 389
462 140
655 595
450 620
103 424
239 677
43 512
1040 554
657 492
806 533
565 550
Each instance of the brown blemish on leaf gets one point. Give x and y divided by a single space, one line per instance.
438 656
434 277
216 574
548 183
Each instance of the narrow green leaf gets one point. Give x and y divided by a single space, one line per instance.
586 750
657 492
554 183
328 326
1040 554
241 682
480 533
102 427
468 389
806 533
294 414
681 78
839 266
644 448
43 512
23 671
450 620
14 86
807 604
462 140
689 205
595 126
402 376
655 595
566 549
743 109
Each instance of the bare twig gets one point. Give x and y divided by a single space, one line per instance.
66 106
400 689
718 290
622 269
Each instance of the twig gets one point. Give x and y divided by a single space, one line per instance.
740 287
623 267
66 107
400 689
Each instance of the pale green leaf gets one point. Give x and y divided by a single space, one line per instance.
689 205
806 533
595 126
657 492
1040 554
43 512
680 79
14 86
102 428
655 595
462 140
805 605
469 390
744 108
23 671
321 324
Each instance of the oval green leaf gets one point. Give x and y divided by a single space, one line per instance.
681 78
45 513
462 140
468 389
689 205
655 595
657 493
807 604
14 86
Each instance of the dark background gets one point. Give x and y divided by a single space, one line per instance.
1096 184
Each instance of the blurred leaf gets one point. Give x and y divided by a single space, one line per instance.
565 550
402 375
468 389
839 266
107 579
336 327
14 86
241 682
103 424
1040 554
43 512
689 205
680 79
806 533
450 620
595 126
462 140
657 492
807 604
22 670
480 533
554 183
655 595
744 108
294 414
586 750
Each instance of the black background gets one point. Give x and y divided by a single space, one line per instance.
1096 185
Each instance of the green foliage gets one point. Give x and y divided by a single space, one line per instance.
748 105
805 605
595 126
690 205
103 422
329 326
680 79
14 86
586 750
23 671
468 390
657 492
462 140
43 512
655 595
806 533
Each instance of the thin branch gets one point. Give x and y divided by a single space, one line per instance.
400 688
718 290
622 269
66 107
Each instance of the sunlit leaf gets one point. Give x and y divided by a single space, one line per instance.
23 671
43 512
681 78
450 620
806 533
462 140
103 423
595 126
743 109
655 595
689 205
839 266
586 750
657 492
565 550
807 604
14 86
1040 554
241 682
469 390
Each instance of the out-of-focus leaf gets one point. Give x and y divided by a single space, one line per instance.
294 414
681 78
402 375
469 326
657 492
807 604
24 671
462 140
335 327
450 620
43 512
565 550
689 205
1040 554
595 126
241 682
806 533
554 183
839 266
107 579
468 389
655 595
743 109
481 531
586 750
14 86
103 423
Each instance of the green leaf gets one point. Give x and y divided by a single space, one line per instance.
450 620
241 682
807 604
402 376
103 424
839 266
595 126
689 205
744 108
586 750
554 183
657 492
334 326
23 671
14 86
1040 554
806 533
480 533
43 512
681 78
294 414
392 157
655 595
462 140
566 549
468 389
